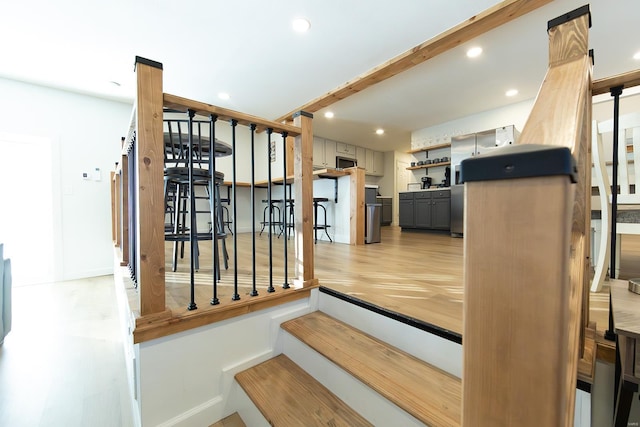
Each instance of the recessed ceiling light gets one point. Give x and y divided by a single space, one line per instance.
512 92
474 52
380 131
223 95
329 114
637 56
301 25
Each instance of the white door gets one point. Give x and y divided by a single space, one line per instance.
26 215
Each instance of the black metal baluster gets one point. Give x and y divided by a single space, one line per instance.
615 92
192 214
270 208
236 296
254 291
214 217
285 285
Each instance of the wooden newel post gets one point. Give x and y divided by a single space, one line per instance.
149 148
526 249
303 195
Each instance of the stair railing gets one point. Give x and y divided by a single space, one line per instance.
140 227
526 251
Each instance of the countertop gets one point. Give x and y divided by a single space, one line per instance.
426 189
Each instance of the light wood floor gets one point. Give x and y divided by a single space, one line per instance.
417 274
62 364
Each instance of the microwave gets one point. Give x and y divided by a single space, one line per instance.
343 162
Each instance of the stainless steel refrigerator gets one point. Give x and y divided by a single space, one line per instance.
464 147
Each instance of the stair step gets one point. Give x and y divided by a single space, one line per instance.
286 395
424 391
232 420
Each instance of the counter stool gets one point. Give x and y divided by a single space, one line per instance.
288 210
274 214
177 204
226 217
316 225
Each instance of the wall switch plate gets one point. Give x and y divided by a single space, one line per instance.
97 176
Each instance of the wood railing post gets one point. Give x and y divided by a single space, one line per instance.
526 251
357 208
149 148
303 208
124 209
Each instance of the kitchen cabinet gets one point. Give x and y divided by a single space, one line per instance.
374 162
387 209
361 157
406 216
425 210
324 153
346 150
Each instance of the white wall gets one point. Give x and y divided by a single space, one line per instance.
86 132
185 378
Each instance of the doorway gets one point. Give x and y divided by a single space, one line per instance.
27 213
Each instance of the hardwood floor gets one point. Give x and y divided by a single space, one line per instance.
63 362
416 274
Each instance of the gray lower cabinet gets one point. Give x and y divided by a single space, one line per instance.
406 216
387 210
428 210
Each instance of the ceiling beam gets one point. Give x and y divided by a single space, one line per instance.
626 80
473 27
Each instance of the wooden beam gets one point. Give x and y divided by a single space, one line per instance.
303 195
540 237
149 147
626 80
473 27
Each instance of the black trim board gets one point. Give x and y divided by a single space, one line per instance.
570 16
410 321
427 327
303 113
149 62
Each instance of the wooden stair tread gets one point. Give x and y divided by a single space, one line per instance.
426 392
286 395
232 420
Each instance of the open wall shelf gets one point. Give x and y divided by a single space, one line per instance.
429 148
433 165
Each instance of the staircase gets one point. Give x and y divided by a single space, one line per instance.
331 373
351 365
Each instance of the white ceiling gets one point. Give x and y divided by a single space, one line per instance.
247 48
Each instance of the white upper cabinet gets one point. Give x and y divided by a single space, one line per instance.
374 162
346 150
324 153
361 157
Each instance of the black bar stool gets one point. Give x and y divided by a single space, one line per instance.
316 225
274 213
289 212
206 186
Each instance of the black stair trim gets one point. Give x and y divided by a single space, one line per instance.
410 321
584 386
